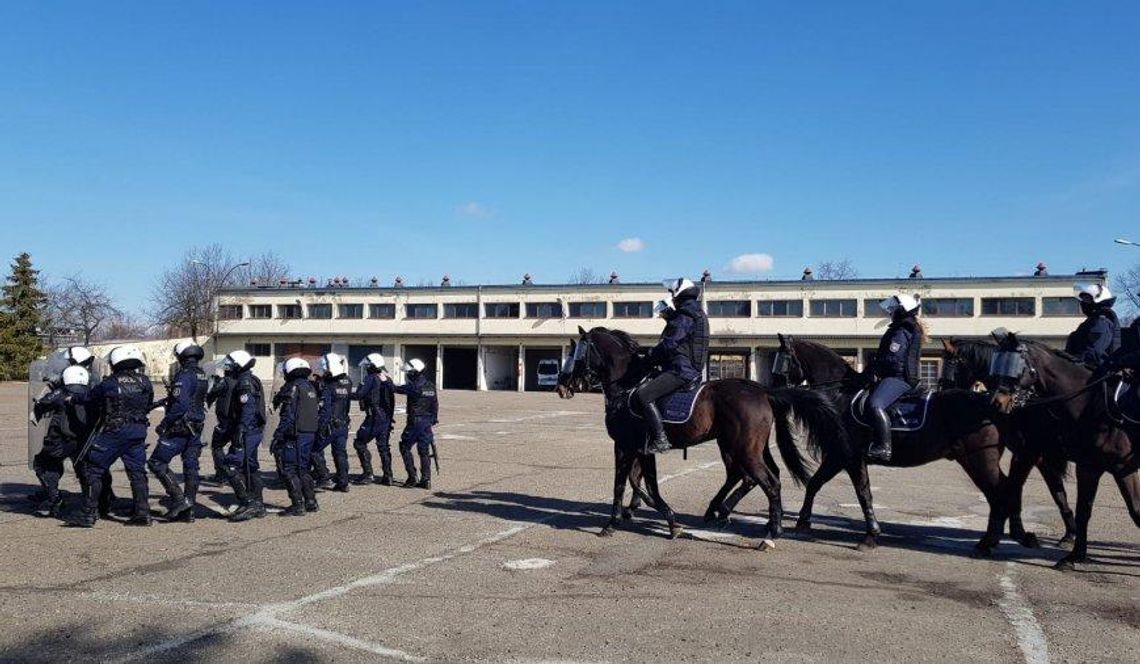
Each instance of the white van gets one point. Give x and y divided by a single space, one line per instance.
547 373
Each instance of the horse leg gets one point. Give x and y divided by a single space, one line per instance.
1129 485
732 477
623 461
729 505
857 471
649 467
770 461
983 468
1088 479
1055 480
1019 469
770 485
635 487
826 471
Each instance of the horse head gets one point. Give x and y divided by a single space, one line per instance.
786 367
1010 371
965 364
599 357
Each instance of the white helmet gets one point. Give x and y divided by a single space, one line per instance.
296 364
661 307
238 360
680 286
78 355
333 365
372 361
125 357
907 303
184 350
1094 293
414 365
76 375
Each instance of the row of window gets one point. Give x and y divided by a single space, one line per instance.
941 307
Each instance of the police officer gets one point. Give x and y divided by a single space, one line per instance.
247 413
123 401
221 396
423 412
67 431
298 405
332 427
681 354
180 432
895 368
379 405
1098 335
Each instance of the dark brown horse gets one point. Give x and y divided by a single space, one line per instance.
1047 383
739 414
958 427
965 364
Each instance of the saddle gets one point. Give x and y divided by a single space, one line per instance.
907 414
675 408
1124 402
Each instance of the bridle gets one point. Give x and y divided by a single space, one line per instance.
786 359
581 368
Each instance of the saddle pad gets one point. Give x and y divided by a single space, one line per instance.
1127 400
675 408
907 414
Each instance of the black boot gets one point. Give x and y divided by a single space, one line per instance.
412 481
191 492
178 503
296 501
658 442
248 507
366 476
425 472
140 495
340 465
308 491
386 466
880 449
220 472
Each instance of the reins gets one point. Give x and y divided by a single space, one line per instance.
1048 401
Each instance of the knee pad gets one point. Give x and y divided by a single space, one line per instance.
157 467
360 444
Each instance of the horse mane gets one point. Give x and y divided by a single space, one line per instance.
975 351
623 339
1055 352
827 353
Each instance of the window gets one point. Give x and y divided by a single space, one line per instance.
1008 306
288 311
320 311
948 307
730 309
350 310
834 308
259 350
422 311
928 373
543 310
587 309
382 311
633 310
501 309
780 308
461 310
261 311
728 365
229 312
1060 306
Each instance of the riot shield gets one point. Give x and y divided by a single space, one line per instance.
40 375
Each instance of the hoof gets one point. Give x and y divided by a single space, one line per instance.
675 532
710 517
803 526
979 551
627 515
608 531
1029 541
1065 565
868 544
1067 542
766 545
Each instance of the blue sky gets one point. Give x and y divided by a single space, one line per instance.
492 138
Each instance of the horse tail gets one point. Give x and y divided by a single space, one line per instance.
825 432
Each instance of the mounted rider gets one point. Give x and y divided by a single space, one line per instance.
895 368
1098 336
681 355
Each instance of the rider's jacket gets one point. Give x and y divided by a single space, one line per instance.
900 350
1097 337
683 348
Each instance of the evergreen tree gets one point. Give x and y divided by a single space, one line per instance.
21 310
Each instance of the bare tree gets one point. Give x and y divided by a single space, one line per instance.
585 276
126 326
843 268
88 307
267 268
183 298
1128 290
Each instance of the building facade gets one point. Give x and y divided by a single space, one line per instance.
509 337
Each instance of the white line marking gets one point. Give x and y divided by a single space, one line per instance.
455 436
268 622
527 564
1019 613
537 416
268 612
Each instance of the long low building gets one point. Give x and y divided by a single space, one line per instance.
513 337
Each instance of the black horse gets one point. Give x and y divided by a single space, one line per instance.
1051 386
958 427
739 414
965 365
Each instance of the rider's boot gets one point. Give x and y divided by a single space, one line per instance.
658 441
880 449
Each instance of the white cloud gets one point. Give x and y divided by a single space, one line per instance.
631 245
750 264
476 210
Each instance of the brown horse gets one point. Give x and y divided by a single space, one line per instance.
1047 383
739 414
958 428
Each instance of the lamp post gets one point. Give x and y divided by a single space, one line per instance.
1126 242
221 284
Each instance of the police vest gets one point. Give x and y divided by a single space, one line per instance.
422 404
697 347
247 384
374 400
306 405
197 410
130 403
341 399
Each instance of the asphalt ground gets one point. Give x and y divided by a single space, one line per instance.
501 562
